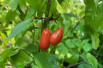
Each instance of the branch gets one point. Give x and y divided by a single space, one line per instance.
48 18
48 7
2 41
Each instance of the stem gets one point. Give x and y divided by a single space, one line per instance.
33 33
46 21
76 25
48 8
99 51
2 41
47 14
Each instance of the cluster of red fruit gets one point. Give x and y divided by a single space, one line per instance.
47 38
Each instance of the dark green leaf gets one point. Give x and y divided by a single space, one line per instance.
100 66
11 15
22 4
60 1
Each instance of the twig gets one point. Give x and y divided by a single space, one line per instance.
28 54
48 7
49 18
2 41
76 25
99 51
33 33
76 64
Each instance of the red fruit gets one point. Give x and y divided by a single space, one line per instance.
45 39
56 36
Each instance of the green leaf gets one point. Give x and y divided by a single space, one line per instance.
60 1
67 25
3 37
20 58
31 48
85 41
95 40
13 4
100 14
30 13
91 19
20 65
85 65
53 9
77 42
71 15
87 47
22 4
100 65
5 55
84 57
38 3
62 50
59 8
19 28
70 44
74 57
11 15
42 60
92 60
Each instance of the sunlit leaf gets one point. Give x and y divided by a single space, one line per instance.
95 40
13 4
5 55
87 47
20 57
92 60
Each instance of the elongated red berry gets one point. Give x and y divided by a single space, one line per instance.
56 36
45 39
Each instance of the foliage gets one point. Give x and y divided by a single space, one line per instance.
21 24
